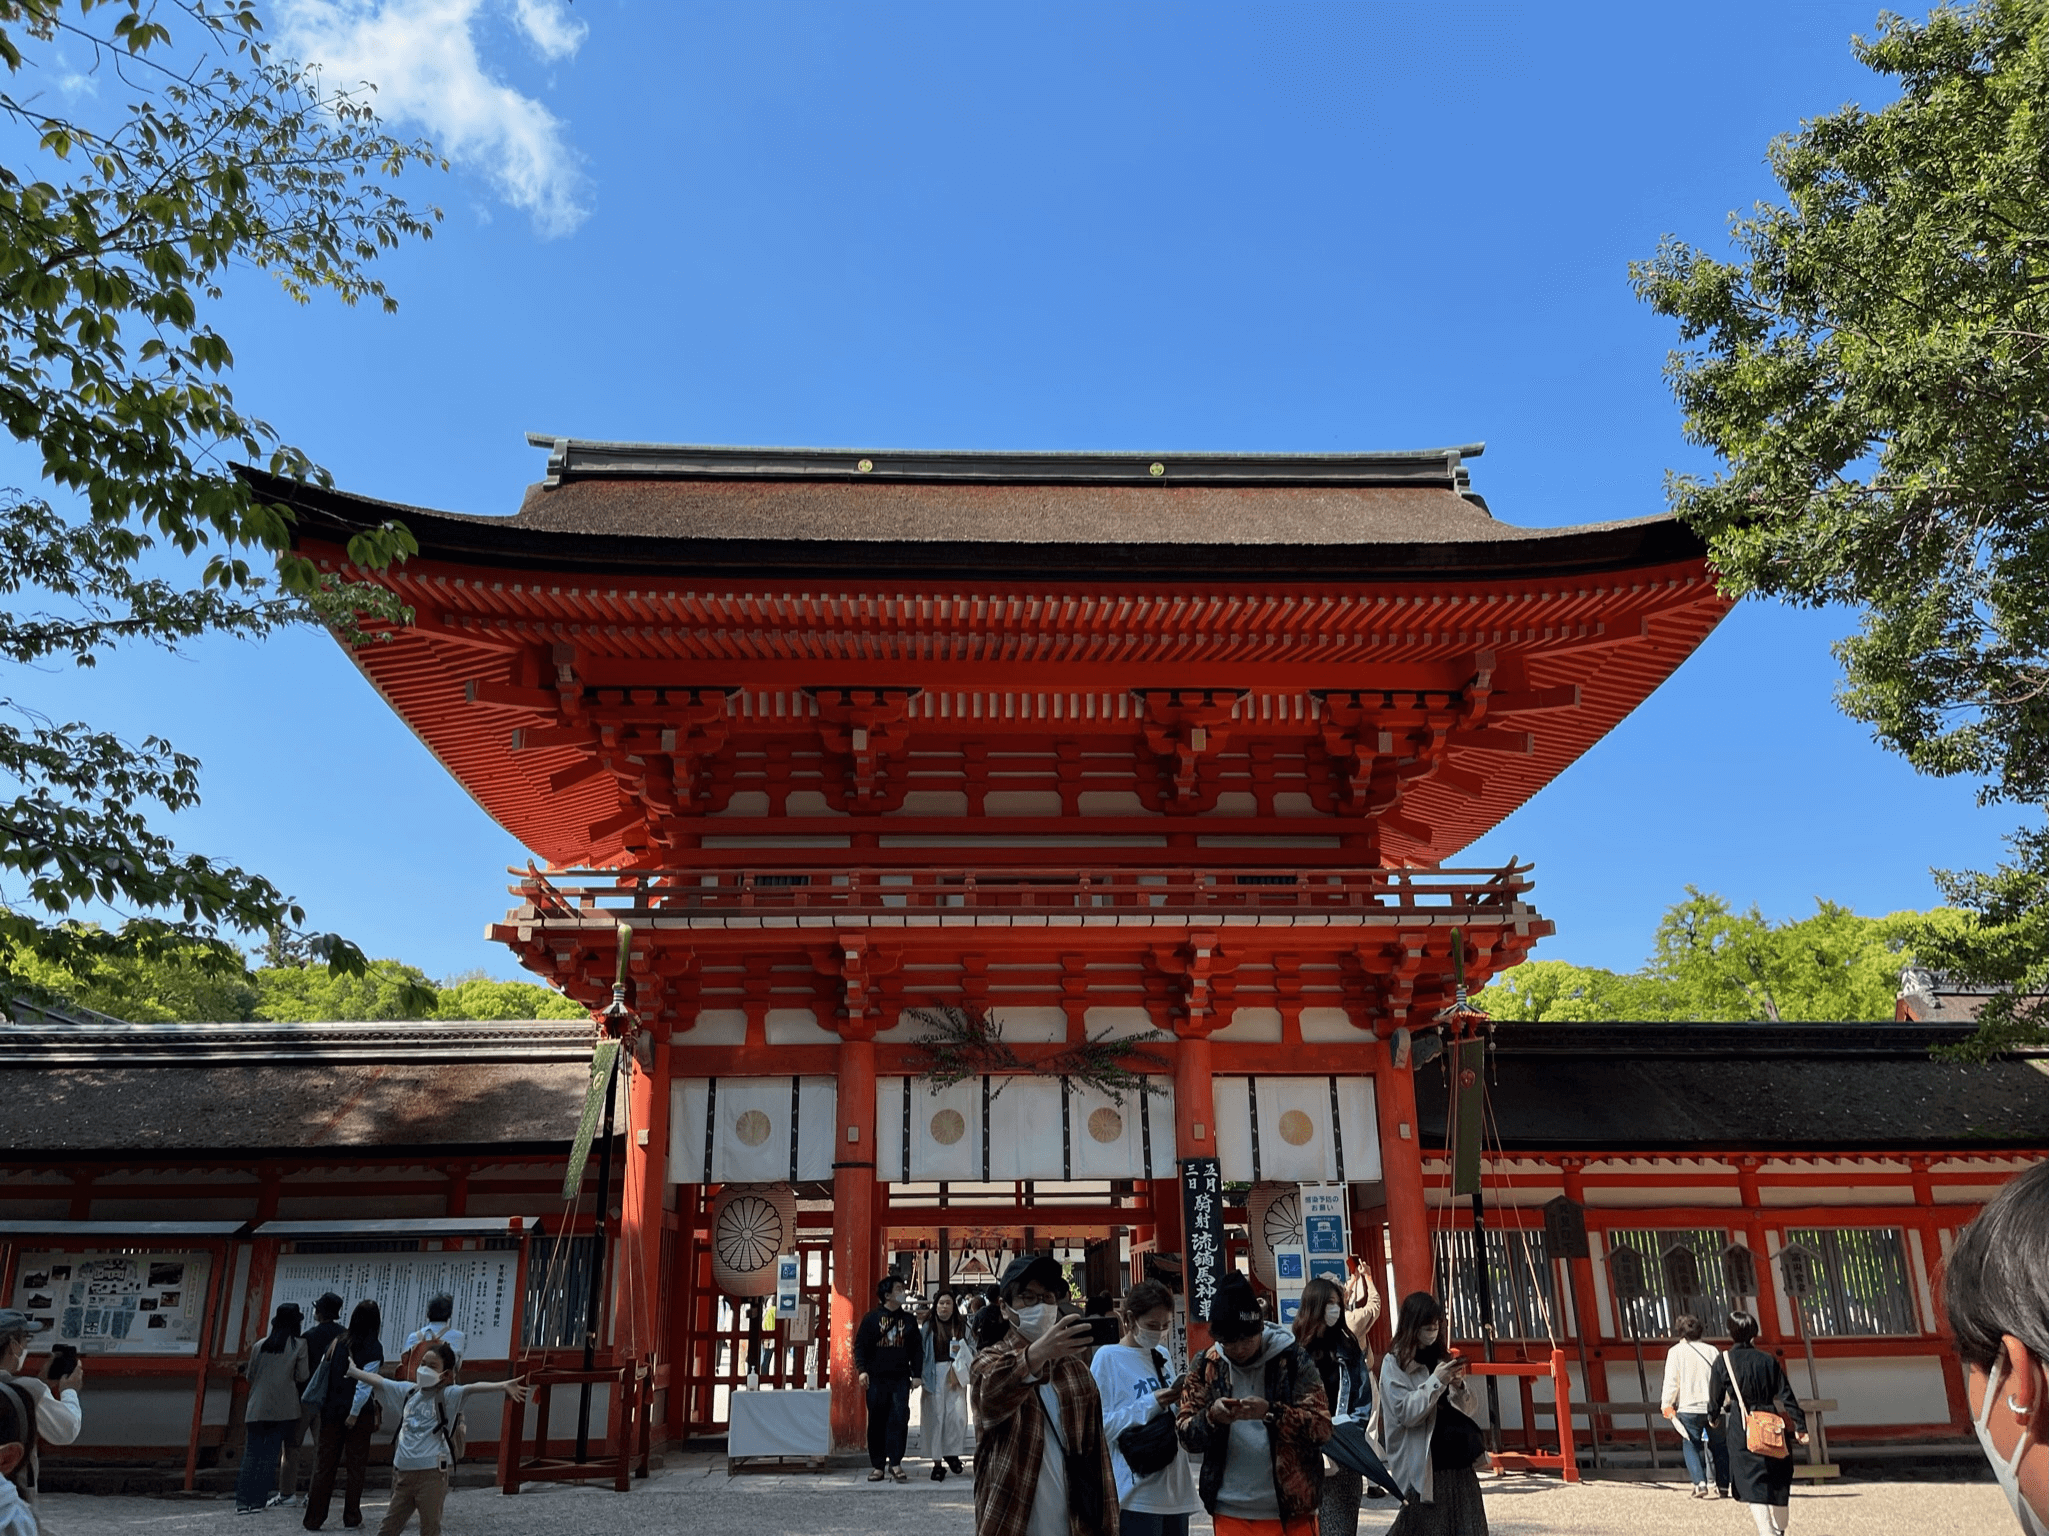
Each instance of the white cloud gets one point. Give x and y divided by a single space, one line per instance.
422 57
548 24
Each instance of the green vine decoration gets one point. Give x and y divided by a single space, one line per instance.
964 1042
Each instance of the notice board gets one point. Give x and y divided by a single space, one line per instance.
116 1303
484 1284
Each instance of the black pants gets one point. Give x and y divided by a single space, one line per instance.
343 1451
889 1419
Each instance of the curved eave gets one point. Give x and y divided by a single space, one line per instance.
328 516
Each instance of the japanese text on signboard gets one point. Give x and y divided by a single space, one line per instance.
1202 1214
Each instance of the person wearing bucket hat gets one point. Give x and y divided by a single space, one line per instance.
1042 1464
1254 1410
59 1417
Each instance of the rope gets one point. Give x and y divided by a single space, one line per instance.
1537 1289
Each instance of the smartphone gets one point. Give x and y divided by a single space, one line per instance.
1104 1330
63 1362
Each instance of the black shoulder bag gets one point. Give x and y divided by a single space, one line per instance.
1152 1446
1084 1473
1455 1440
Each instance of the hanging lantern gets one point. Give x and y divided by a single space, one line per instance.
750 1225
1273 1213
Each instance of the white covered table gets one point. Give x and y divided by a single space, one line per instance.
778 1422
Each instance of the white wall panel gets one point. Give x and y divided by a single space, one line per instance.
738 1129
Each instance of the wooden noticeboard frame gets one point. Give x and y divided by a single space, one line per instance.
216 1239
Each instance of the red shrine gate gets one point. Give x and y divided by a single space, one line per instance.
1102 744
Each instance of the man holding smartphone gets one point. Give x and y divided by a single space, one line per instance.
1042 1462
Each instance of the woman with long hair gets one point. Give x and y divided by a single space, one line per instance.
348 1418
276 1370
1135 1381
1320 1330
943 1399
1749 1380
1421 1419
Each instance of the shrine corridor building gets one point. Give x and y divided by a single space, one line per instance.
1176 750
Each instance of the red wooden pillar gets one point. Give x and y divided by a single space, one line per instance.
1586 1307
1195 1135
1401 1173
1754 1238
853 1234
641 1280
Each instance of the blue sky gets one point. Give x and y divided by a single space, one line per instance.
1162 226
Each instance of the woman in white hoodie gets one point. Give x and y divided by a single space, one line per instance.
1135 1381
1420 1421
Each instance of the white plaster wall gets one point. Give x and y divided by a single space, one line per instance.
715 1026
1877 1390
1326 1024
1846 1194
1120 1022
1261 1024
796 1026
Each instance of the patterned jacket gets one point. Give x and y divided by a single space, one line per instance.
1011 1436
1298 1422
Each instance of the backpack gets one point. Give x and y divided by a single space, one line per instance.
455 1436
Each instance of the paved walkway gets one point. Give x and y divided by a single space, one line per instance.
694 1495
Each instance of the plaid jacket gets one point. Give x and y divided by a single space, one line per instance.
1011 1436
1297 1426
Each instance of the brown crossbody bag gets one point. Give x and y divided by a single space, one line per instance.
1763 1431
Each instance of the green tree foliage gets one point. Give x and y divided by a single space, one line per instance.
170 983
383 989
1872 371
193 153
186 983
1711 963
477 996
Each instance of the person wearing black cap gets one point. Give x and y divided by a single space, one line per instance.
1254 1410
888 1352
1042 1464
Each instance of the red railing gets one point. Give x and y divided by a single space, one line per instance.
618 1454
608 894
1564 1461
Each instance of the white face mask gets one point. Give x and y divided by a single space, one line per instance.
2008 1471
1035 1320
1427 1336
1149 1338
1333 1315
426 1377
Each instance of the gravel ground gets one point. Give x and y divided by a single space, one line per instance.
694 1495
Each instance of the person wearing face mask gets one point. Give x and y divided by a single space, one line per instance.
1042 1461
424 1454
1133 1377
888 1352
1422 1426
943 1405
1254 1410
1321 1330
1997 1293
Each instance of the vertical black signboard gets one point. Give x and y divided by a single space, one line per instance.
1202 1220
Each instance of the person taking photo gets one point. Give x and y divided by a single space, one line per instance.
1042 1462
